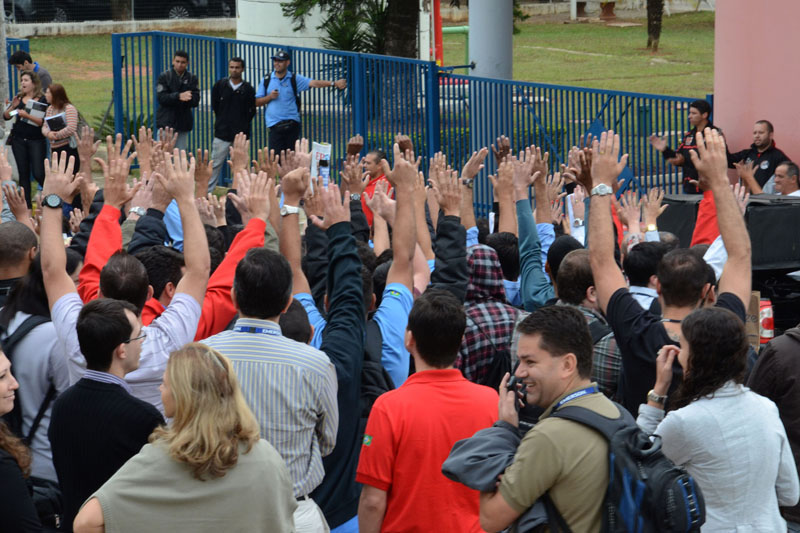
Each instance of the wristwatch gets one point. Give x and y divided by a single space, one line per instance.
137 211
602 190
355 196
578 222
652 227
289 210
52 200
653 397
469 182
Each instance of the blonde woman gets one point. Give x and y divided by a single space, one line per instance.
207 471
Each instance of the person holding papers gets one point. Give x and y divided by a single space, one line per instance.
27 142
61 123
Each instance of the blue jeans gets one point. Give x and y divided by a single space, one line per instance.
794 527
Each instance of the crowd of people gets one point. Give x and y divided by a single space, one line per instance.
294 356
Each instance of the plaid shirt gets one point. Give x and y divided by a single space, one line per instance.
607 360
490 320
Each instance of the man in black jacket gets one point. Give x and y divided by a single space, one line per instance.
177 95
233 101
762 155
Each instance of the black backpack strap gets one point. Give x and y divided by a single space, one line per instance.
51 394
598 330
10 342
293 81
373 346
555 522
602 424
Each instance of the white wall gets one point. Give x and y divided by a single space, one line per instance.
263 21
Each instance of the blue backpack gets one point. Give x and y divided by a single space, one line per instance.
646 491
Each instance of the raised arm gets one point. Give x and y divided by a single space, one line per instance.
711 162
504 195
59 180
404 239
179 183
294 185
605 168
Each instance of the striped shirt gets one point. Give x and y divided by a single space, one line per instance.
291 388
105 377
63 135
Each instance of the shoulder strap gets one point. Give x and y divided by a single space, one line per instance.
555 522
598 330
10 342
293 81
602 424
373 347
51 393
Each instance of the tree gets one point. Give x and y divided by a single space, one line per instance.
655 10
373 26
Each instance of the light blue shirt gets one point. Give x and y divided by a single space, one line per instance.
285 107
392 319
172 219
512 292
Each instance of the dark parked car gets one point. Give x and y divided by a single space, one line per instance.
26 11
80 10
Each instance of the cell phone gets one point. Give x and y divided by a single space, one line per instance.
512 383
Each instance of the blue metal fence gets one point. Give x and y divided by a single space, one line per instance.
12 45
387 95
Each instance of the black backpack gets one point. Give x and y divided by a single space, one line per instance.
293 81
374 378
14 418
647 493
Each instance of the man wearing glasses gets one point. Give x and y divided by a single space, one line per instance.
97 425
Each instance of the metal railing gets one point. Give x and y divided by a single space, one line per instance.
439 110
12 45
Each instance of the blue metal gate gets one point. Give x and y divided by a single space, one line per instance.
389 95
12 45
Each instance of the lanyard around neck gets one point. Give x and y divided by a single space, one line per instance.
591 389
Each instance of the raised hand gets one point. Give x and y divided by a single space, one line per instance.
116 150
503 183
630 210
335 208
6 172
312 202
179 181
652 206
606 165
240 155
354 146
381 203
218 206
557 211
116 191
294 185
144 195
711 159
448 193
267 162
578 207
202 173
143 145
404 173
742 196
75 218
659 143
475 164
168 138
353 179
15 197
555 186
87 147
60 178
404 141
205 210
501 148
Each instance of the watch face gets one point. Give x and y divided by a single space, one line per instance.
52 200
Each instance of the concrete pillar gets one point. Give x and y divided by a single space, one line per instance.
491 24
755 71
262 21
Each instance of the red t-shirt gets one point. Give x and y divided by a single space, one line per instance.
369 190
410 433
706 228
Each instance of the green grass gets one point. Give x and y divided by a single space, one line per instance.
598 56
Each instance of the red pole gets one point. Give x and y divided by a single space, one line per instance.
437 28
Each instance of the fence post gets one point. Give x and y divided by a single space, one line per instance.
359 97
220 59
432 119
117 62
157 63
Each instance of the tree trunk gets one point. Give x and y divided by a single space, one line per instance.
121 10
401 28
655 10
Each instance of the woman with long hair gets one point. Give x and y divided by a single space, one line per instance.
730 439
66 138
17 512
27 142
40 363
207 471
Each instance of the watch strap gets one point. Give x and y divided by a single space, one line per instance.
602 190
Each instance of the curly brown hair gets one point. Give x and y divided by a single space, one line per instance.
16 448
717 353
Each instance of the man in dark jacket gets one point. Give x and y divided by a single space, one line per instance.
777 377
233 101
177 95
762 154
